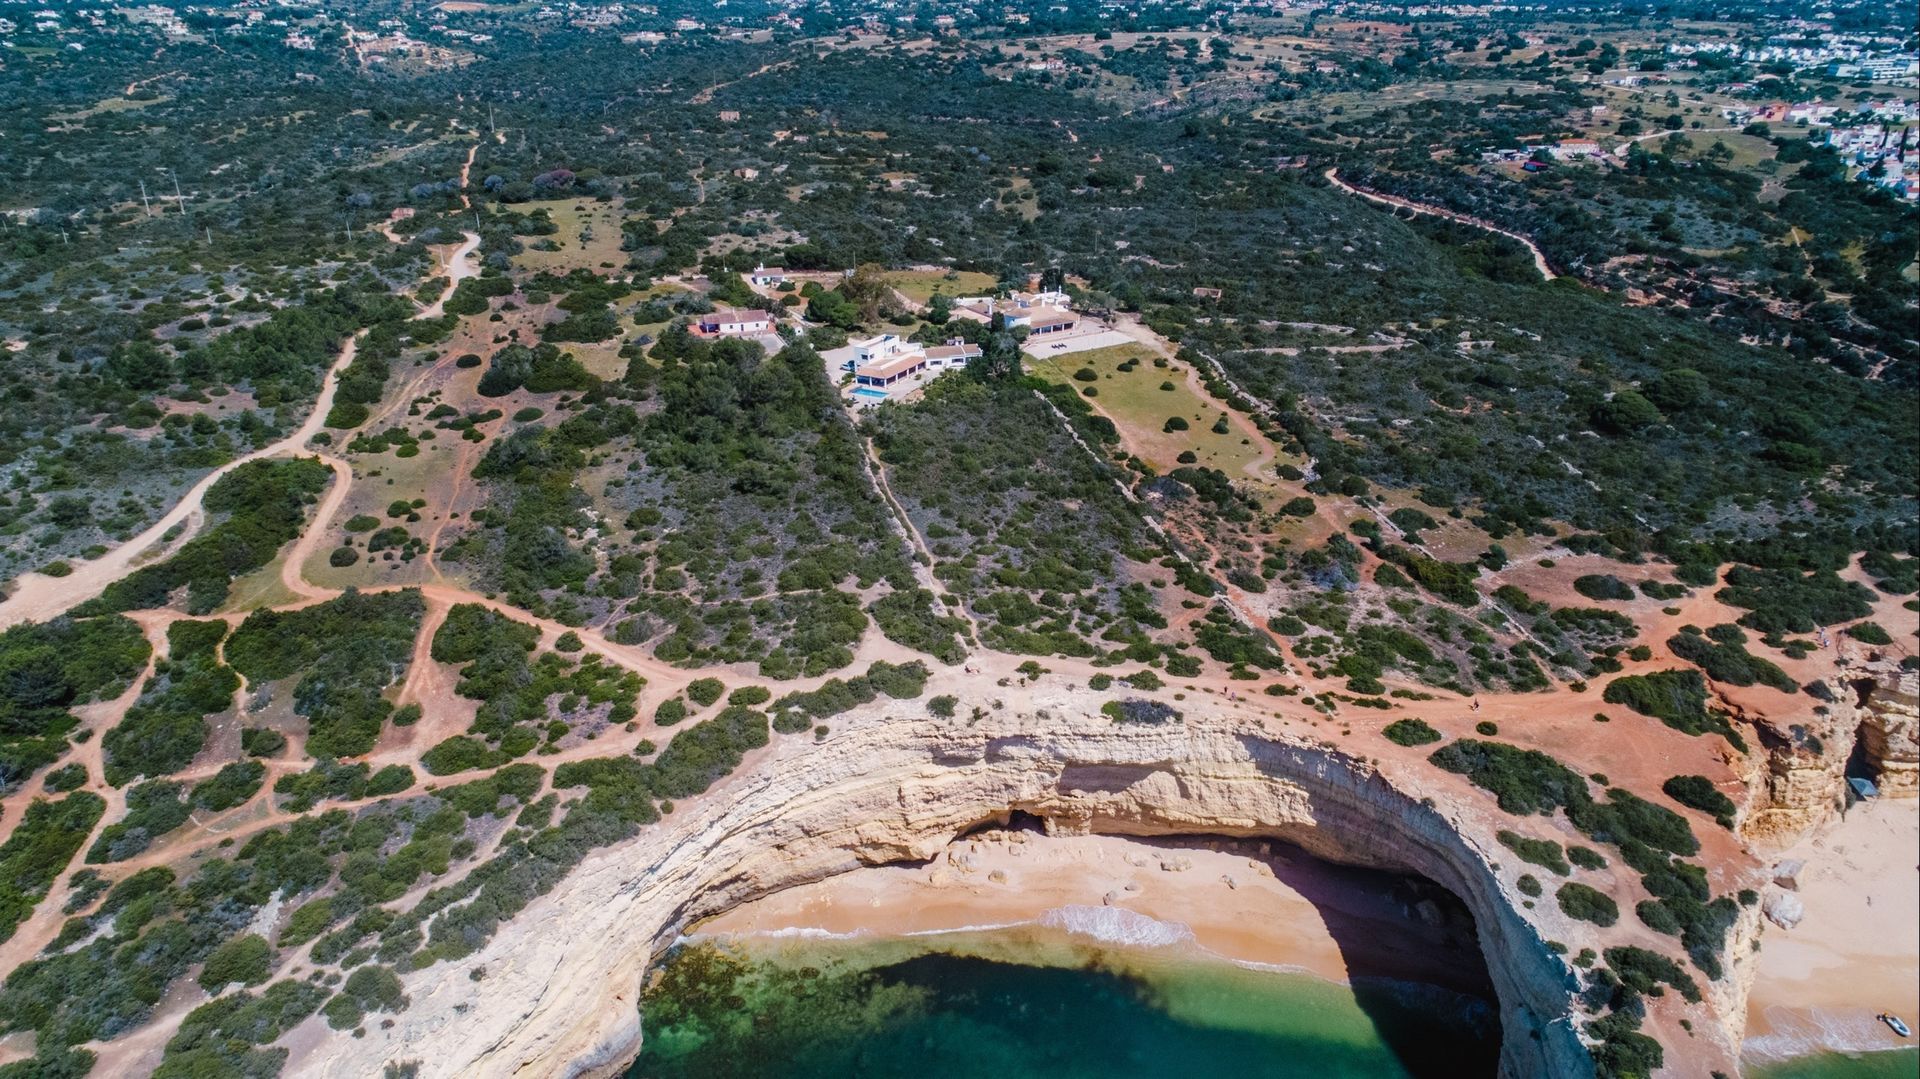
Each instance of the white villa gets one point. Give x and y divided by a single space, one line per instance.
1038 312
767 276
733 322
885 359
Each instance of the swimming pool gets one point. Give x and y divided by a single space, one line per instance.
870 395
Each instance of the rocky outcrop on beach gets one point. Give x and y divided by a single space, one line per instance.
1800 781
555 993
1890 735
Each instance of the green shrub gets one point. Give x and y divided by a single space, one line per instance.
261 742
347 652
232 785
66 778
461 754
1541 852
1521 780
307 922
1411 732
1725 660
1603 586
1869 633
1588 904
1698 792
154 808
705 691
1676 698
796 712
245 959
1140 710
1586 857
1645 971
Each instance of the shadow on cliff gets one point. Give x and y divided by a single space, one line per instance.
1412 956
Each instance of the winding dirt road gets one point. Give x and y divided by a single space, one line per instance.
1539 257
37 597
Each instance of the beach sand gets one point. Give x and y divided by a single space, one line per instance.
1250 902
1857 953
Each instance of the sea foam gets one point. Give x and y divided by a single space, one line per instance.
1117 925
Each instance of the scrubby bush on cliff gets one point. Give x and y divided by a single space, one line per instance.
796 711
1869 633
1544 853
1676 698
1698 792
1588 904
1139 710
1522 780
1411 732
1720 652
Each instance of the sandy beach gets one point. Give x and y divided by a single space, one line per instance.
1857 953
1248 902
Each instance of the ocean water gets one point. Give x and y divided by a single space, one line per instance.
1892 1064
1036 1001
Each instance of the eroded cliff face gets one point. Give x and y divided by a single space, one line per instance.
556 993
1800 777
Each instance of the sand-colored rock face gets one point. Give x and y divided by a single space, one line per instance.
1890 735
558 992
1803 780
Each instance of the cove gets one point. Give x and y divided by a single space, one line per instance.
1036 1001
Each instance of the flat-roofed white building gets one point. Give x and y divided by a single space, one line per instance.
732 322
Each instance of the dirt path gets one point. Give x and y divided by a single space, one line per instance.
466 172
705 97
1539 257
37 597
876 470
291 576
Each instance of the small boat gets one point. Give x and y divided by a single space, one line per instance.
1894 1024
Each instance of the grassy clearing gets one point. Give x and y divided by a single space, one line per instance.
380 480
106 105
920 285
1137 404
261 588
589 237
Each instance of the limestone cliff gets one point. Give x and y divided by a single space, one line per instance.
555 993
1800 778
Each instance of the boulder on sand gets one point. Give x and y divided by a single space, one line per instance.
1784 909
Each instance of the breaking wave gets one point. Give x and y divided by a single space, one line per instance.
1117 925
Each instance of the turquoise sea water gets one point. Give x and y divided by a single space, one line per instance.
1020 1003
1893 1064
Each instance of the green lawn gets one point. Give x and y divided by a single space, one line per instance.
920 285
1137 404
